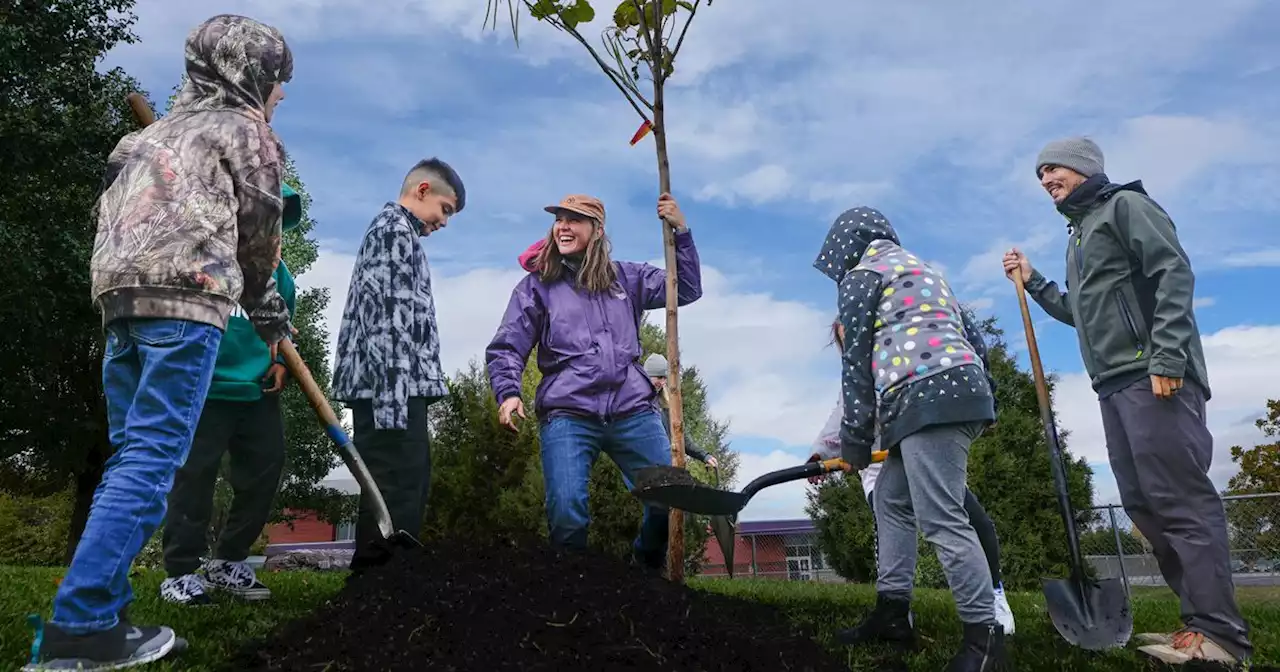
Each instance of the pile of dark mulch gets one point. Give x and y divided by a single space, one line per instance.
502 605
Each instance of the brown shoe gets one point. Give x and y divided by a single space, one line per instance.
1185 646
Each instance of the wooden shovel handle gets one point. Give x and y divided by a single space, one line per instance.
141 109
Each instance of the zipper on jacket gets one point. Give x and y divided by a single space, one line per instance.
1128 322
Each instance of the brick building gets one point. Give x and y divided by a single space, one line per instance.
772 549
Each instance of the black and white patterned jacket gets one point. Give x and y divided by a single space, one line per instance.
389 345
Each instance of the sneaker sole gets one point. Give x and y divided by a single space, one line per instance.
80 665
250 595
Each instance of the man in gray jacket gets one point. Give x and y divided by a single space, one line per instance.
1130 299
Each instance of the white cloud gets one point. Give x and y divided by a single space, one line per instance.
1169 151
1240 363
1203 302
785 500
1264 258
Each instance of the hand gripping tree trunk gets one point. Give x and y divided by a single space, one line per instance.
641 33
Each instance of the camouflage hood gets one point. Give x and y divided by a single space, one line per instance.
233 62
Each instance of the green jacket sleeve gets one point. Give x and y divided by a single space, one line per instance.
1150 237
289 292
1054 302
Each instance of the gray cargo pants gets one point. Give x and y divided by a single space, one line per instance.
1160 454
922 484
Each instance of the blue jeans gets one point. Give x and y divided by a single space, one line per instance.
155 375
570 446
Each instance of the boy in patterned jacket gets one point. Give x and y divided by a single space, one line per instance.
912 366
188 227
387 367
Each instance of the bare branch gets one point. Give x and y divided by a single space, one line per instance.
608 70
685 29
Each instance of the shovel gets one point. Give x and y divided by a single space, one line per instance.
676 488
1091 614
392 539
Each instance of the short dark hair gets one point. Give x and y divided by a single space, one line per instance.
440 170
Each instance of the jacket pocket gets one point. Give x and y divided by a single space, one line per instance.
1126 318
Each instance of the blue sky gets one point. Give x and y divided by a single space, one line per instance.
779 121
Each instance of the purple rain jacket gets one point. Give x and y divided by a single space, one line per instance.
588 345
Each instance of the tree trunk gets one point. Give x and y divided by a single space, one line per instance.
86 484
675 543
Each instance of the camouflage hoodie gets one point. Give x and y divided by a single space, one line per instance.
189 219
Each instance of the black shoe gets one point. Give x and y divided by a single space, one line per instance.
982 649
889 623
123 646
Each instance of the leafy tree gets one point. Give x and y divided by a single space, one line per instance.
486 480
645 34
1009 473
59 120
1255 522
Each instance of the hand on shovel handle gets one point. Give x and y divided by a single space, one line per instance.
837 463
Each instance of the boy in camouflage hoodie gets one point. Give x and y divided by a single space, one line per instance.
914 367
188 227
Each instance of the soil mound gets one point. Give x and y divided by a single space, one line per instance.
504 605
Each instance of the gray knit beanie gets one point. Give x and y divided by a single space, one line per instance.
1079 154
656 366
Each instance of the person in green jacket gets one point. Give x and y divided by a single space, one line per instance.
655 366
1130 292
242 417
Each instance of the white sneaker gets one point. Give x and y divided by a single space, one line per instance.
186 589
1004 615
237 578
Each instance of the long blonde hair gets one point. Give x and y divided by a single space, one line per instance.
596 274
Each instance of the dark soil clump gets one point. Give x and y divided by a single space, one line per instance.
501 605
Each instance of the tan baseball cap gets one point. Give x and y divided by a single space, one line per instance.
587 206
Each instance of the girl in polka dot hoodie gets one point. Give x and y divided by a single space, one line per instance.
914 367
827 446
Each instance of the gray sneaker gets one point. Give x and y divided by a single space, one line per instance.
121 647
236 578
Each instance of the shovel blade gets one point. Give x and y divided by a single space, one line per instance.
722 526
1093 615
676 488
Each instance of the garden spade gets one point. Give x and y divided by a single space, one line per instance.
1091 614
392 538
676 488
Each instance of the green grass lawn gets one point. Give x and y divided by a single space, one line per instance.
215 631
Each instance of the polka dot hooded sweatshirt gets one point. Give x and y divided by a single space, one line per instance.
913 357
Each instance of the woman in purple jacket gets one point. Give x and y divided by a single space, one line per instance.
583 311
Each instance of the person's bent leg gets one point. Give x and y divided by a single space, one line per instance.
1172 450
257 464
190 505
935 461
634 442
986 530
890 621
156 374
569 449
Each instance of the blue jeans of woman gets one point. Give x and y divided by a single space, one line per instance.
570 446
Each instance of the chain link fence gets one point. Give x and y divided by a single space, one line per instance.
1115 548
781 554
